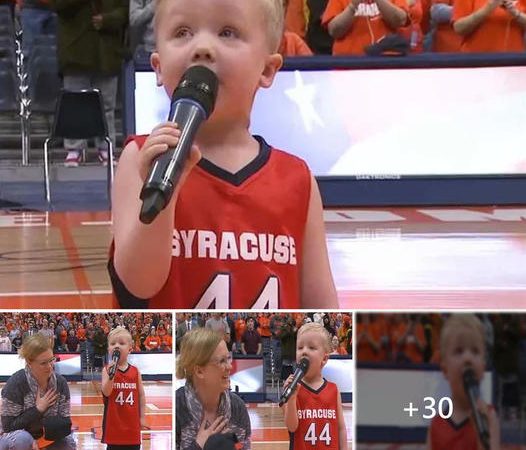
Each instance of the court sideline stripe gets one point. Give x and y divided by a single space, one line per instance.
81 280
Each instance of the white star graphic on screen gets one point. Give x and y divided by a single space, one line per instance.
303 96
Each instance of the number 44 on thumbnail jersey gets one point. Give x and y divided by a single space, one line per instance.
317 418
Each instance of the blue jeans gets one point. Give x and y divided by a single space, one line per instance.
34 23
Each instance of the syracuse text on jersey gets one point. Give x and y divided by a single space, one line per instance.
235 246
117 385
316 414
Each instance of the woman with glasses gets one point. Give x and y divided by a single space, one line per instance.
35 408
205 406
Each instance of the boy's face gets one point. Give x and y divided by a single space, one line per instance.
464 350
227 36
122 342
310 345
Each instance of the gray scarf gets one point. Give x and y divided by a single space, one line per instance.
51 384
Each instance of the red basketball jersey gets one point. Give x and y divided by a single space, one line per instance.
446 435
237 239
317 418
121 421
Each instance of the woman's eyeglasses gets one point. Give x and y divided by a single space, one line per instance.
46 363
223 362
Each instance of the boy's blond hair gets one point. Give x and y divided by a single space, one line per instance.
197 347
274 15
314 327
458 323
120 330
34 346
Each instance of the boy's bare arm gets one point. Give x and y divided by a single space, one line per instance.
342 429
317 285
142 403
142 256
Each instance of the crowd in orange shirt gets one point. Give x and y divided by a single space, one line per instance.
69 331
427 25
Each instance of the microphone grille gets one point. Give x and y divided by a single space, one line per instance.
304 364
200 84
469 379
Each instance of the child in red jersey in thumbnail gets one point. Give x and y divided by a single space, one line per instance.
462 347
314 413
244 228
124 401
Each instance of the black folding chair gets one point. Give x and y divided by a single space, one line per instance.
79 115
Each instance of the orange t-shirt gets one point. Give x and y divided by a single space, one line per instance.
367 28
365 351
296 18
293 45
446 40
264 326
499 32
413 32
409 347
240 326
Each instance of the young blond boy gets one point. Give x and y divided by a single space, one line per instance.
314 413
244 228
123 393
462 347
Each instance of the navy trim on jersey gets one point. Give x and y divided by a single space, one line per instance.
458 426
125 298
315 391
238 178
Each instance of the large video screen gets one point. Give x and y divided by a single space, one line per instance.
384 123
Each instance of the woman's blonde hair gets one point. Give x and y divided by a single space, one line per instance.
461 323
197 347
315 327
33 346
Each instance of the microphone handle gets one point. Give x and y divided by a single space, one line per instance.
481 423
289 390
168 167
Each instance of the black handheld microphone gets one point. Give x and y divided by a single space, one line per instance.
299 373
192 103
114 359
472 389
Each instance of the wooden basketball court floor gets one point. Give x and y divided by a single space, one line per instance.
87 409
392 258
268 426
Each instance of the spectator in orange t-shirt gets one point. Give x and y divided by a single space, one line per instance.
355 24
166 342
369 339
413 31
293 45
408 339
442 37
296 17
153 342
490 26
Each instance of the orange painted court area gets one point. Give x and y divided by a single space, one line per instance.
392 258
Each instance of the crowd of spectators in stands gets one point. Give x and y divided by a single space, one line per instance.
74 332
272 335
406 338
